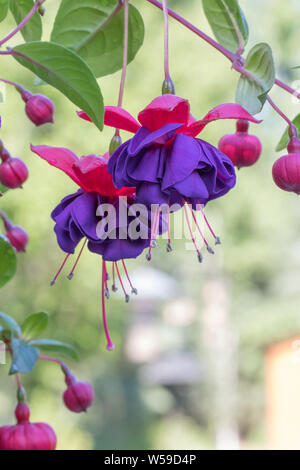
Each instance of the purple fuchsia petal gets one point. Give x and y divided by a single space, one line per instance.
145 138
115 250
163 110
151 193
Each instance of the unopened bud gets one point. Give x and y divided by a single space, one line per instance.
168 87
115 142
39 108
13 173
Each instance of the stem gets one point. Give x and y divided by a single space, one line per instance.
232 57
28 17
125 53
229 55
281 113
166 39
287 88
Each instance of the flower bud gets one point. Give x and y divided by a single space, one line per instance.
16 235
115 142
79 396
18 238
242 149
168 87
13 173
286 170
39 108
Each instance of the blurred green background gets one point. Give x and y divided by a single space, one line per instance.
188 369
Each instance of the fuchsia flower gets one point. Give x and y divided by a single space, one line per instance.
76 216
166 162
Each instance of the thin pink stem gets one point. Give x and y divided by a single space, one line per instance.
166 38
125 52
9 82
23 22
197 31
197 225
281 113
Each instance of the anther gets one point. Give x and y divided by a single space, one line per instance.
127 298
210 250
106 293
114 288
218 241
153 244
200 257
148 256
169 248
134 291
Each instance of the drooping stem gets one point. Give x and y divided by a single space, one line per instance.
166 38
62 364
226 53
14 84
28 17
197 31
292 126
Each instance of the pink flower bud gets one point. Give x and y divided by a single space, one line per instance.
18 238
286 170
242 149
13 173
79 396
39 108
25 435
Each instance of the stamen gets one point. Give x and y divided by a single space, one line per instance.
60 270
153 243
168 245
114 287
133 289
217 239
71 275
127 297
208 247
110 346
191 233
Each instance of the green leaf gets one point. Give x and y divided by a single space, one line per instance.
8 261
252 92
227 22
55 346
8 323
24 357
66 71
33 30
3 9
283 143
87 27
34 325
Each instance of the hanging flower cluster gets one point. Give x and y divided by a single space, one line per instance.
163 168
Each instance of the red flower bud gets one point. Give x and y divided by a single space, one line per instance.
39 108
79 396
286 170
13 173
25 435
242 149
